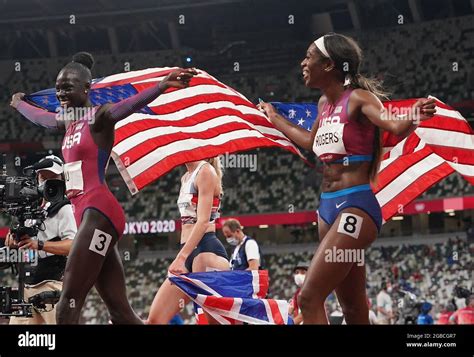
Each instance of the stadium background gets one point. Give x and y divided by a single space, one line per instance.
256 47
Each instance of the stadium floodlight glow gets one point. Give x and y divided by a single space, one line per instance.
451 214
450 210
189 59
263 226
397 218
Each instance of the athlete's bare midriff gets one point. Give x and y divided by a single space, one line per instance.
338 176
187 228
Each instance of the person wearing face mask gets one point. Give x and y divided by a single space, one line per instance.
53 243
384 305
247 254
299 274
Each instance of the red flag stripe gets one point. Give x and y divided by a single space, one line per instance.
186 102
421 184
138 126
182 157
276 314
141 150
398 166
456 155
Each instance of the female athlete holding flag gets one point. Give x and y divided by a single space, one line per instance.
346 138
87 144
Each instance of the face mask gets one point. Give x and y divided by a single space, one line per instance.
299 279
232 241
389 289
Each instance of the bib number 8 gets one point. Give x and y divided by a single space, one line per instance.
350 224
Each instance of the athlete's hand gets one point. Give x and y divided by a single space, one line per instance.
423 109
179 78
177 266
16 99
267 109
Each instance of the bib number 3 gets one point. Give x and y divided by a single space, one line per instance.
350 224
100 242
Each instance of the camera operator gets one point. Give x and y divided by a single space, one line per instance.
52 243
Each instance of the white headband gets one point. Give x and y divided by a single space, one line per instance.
320 45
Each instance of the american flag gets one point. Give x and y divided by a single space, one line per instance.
439 147
210 118
234 297
204 120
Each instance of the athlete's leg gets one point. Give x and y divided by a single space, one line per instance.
169 300
209 261
95 238
324 275
352 296
111 287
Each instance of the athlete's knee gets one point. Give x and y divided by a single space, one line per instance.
310 301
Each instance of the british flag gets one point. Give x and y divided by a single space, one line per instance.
233 297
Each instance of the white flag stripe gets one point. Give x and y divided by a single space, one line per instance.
163 152
449 113
236 306
200 300
189 112
255 283
386 162
283 308
269 311
191 92
132 74
154 133
408 177
446 138
462 169
215 79
397 149
200 284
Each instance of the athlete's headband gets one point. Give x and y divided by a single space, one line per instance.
320 45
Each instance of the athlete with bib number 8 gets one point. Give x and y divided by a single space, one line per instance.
94 258
346 138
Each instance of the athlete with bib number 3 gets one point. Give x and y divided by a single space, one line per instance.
346 138
94 258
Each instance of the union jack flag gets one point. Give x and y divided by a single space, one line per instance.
233 297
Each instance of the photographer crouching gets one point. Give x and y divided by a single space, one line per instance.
52 243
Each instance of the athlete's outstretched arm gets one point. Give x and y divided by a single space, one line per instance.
400 125
34 114
115 112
